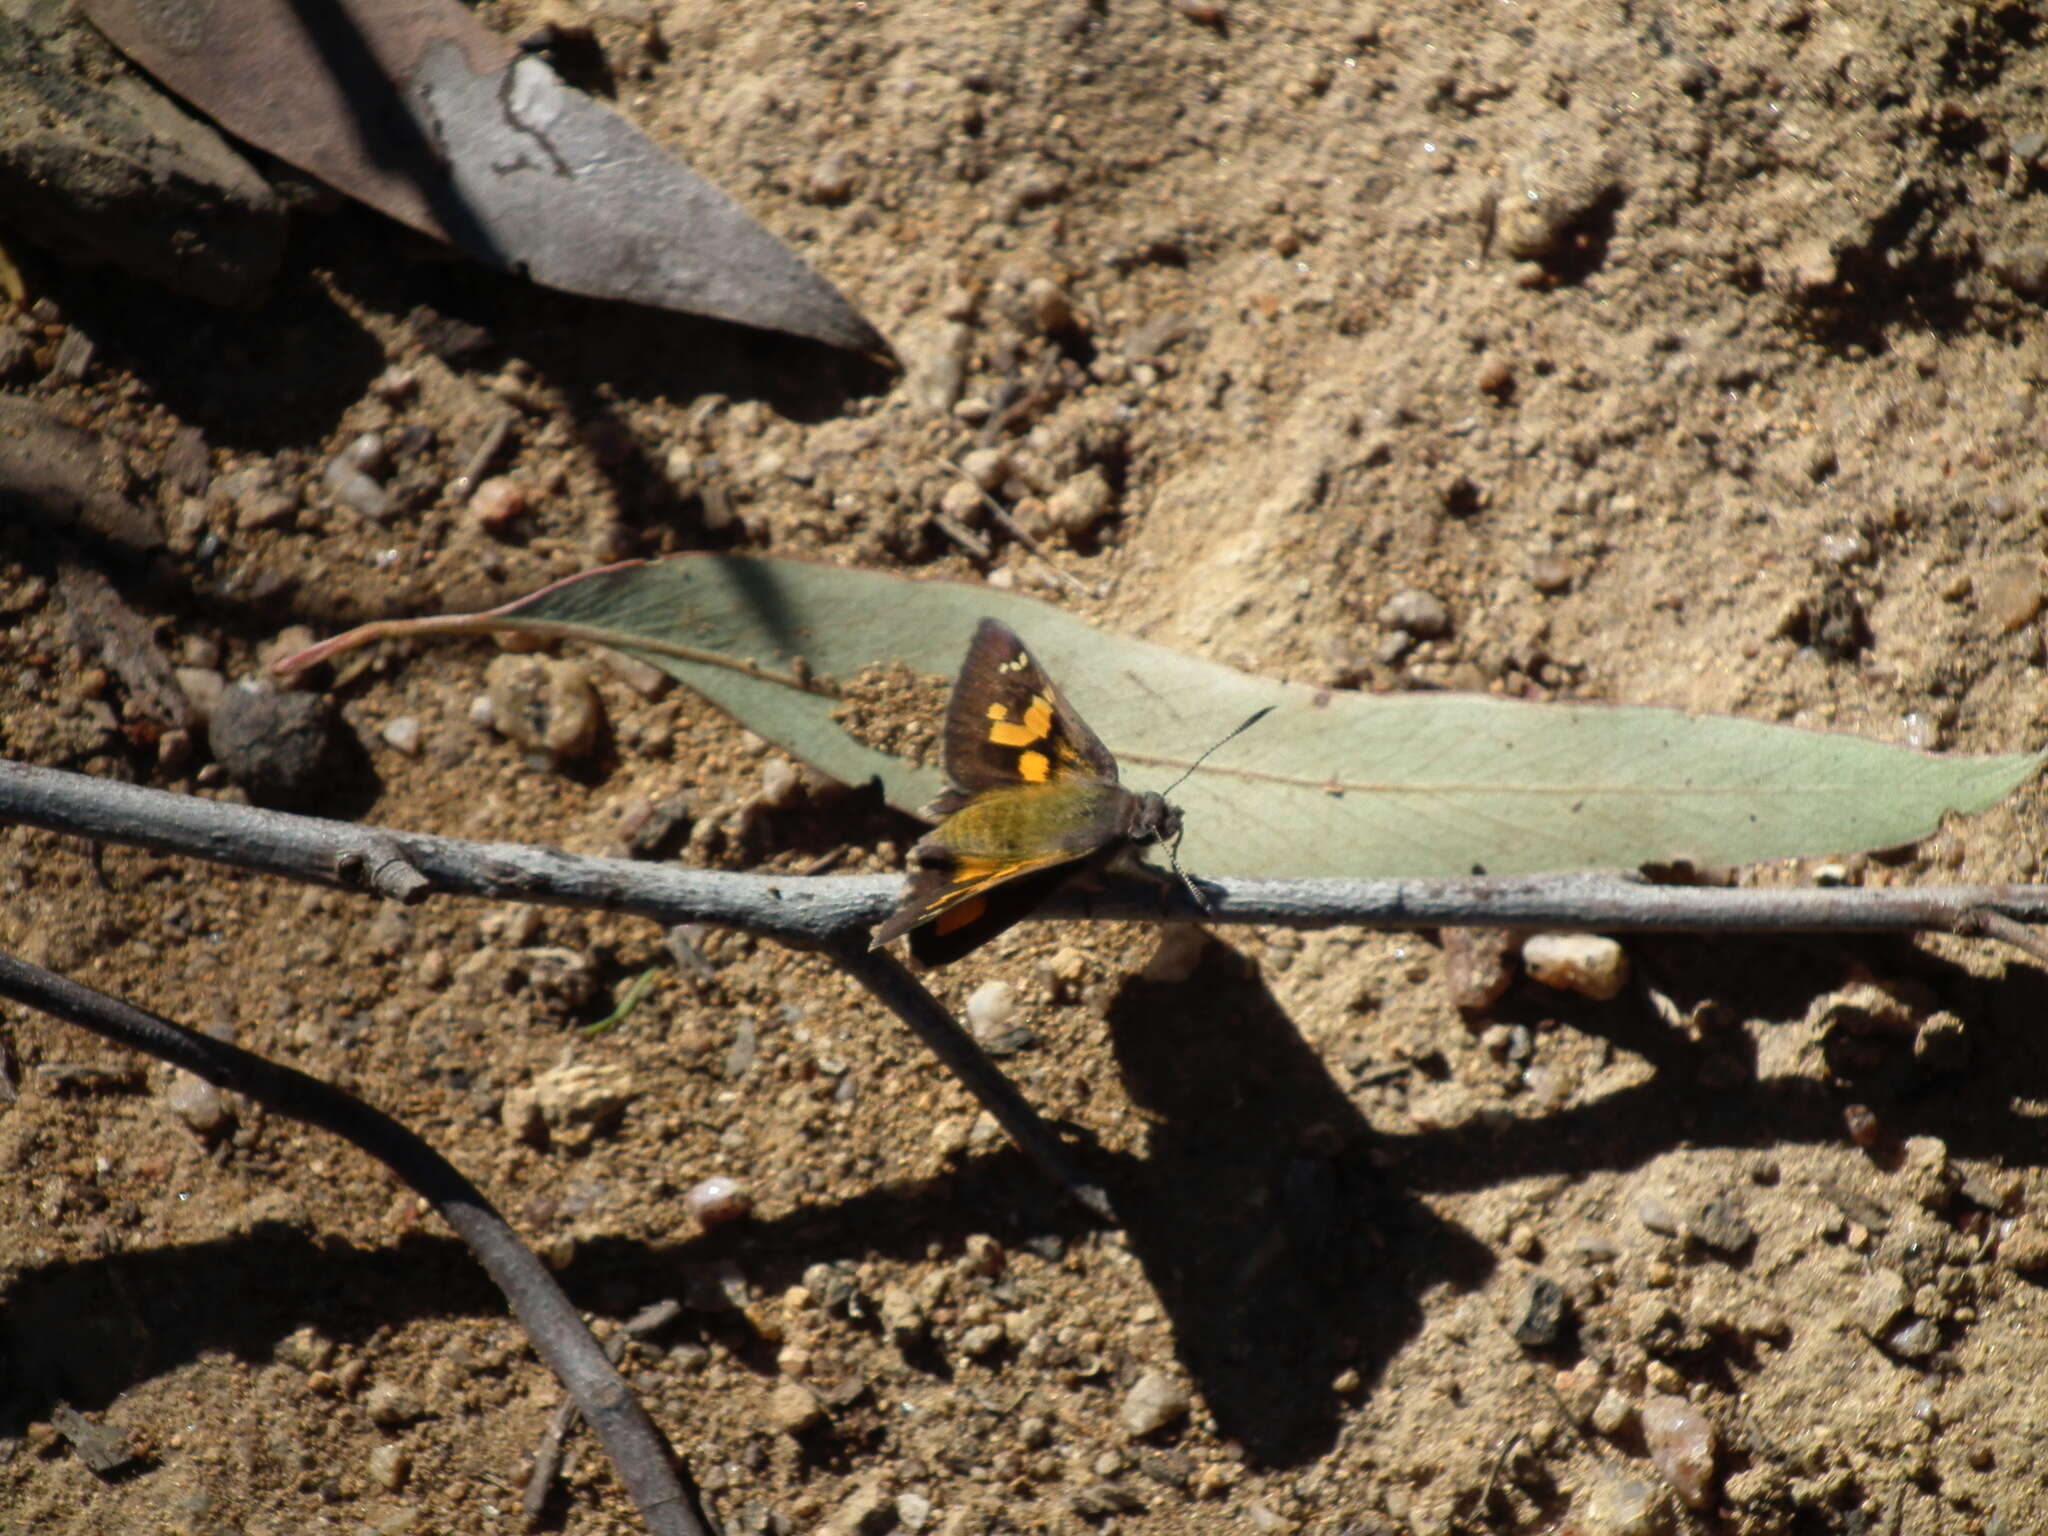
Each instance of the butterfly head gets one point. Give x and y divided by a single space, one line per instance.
1153 820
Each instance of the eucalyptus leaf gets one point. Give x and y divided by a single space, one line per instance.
1328 784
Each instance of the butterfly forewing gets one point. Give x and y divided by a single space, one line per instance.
1006 722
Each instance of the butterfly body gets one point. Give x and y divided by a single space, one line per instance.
1034 793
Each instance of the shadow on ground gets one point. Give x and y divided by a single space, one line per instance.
1286 1239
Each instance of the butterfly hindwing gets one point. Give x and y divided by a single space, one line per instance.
972 923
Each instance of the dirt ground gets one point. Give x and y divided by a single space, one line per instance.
1687 356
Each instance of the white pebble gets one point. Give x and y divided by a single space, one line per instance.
390 1406
990 1007
1415 612
402 734
1154 1401
1585 963
986 467
367 453
781 784
1680 1440
203 1107
1079 505
389 1467
718 1201
1179 955
497 503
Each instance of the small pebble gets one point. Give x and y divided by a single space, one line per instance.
1155 1400
1613 1413
306 1349
982 1340
520 1114
718 1201
389 1467
1079 505
1585 963
1495 378
1417 613
1863 1126
1178 955
2023 1247
1440 1108
1655 1211
581 1099
1478 966
390 1406
367 453
986 468
963 503
355 490
1540 1313
903 1317
1915 1340
1720 1225
1879 1299
2010 597
1578 1390
497 503
1611 1503
913 1511
1046 302
832 179
794 1407
395 385
544 704
280 747
990 1009
935 357
402 734
1680 1439
781 784
202 1106
202 688
1550 573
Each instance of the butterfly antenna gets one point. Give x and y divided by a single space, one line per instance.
1173 848
1250 720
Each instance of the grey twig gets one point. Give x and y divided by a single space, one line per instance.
653 1478
815 911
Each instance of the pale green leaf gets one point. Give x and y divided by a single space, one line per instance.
1330 783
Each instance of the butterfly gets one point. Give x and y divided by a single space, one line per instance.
1034 792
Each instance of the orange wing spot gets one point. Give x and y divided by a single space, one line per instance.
953 919
1007 734
999 711
1034 767
1039 715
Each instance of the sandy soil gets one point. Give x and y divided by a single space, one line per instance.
1687 357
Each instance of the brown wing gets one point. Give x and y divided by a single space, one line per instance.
1007 723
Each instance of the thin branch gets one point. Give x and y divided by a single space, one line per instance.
905 996
1997 925
816 911
652 1476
